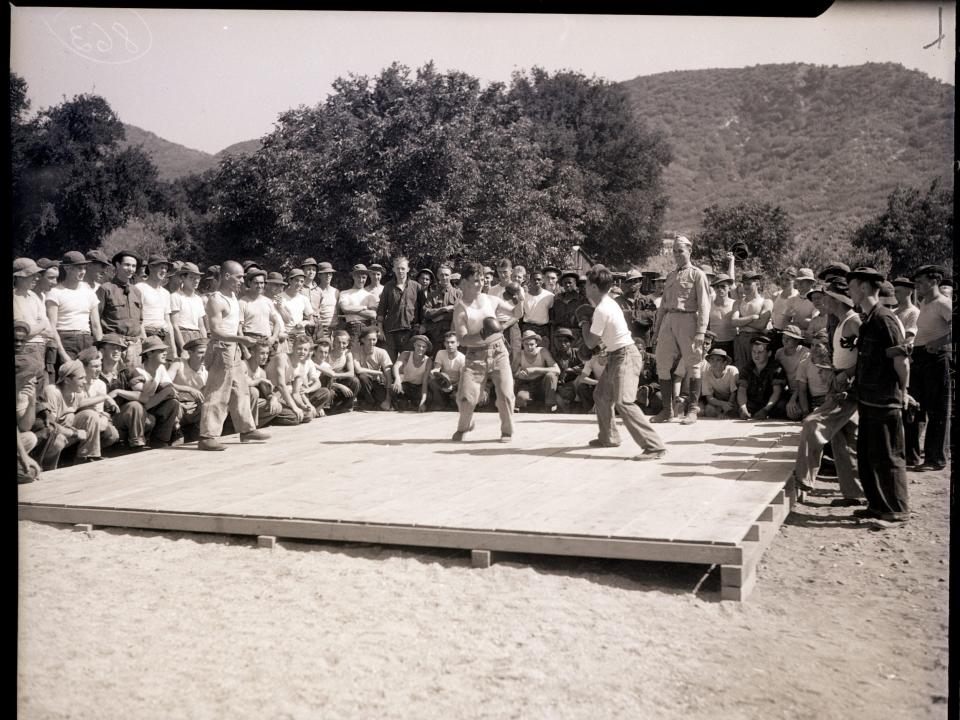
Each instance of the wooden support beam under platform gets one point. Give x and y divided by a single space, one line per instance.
717 497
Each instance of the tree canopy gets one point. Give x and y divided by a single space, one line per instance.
766 229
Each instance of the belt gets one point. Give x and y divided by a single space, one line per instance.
685 312
73 332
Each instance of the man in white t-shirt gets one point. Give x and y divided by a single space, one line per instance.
156 303
445 375
617 389
358 305
296 303
73 309
187 309
537 302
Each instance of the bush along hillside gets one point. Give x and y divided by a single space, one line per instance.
827 144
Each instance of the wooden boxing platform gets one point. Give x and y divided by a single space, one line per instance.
717 498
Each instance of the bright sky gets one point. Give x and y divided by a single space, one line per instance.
210 78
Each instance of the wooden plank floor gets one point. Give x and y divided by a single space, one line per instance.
402 475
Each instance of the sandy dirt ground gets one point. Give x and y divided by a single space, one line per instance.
845 622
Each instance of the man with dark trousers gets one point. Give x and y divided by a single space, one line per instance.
882 378
400 312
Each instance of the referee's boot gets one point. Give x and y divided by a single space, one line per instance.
693 404
666 393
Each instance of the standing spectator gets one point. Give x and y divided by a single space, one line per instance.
800 310
680 327
822 319
157 320
121 306
438 307
906 310
931 364
778 309
426 279
721 315
324 299
751 317
310 289
49 277
537 302
489 280
400 312
376 274
98 269
261 315
617 390
520 275
564 307
187 311
296 303
358 305
882 378
504 276
28 309
226 389
551 279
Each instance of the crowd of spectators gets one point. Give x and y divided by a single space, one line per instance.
125 352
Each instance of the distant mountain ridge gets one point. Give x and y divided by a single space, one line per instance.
828 144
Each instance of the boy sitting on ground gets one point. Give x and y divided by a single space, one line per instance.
535 373
445 375
760 389
412 375
790 356
589 379
373 367
720 385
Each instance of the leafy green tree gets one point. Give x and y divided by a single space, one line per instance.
74 183
915 229
599 147
766 229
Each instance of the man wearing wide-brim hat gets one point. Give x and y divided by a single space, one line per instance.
930 374
882 378
719 385
323 298
535 373
121 305
679 330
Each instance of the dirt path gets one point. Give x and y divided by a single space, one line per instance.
845 622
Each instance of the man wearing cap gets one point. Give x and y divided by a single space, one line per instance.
565 304
260 318
189 375
411 375
358 306
790 355
98 265
49 277
751 317
121 305
187 311
643 310
323 298
438 306
930 374
157 393
174 281
617 390
570 364
760 390
29 308
400 311
679 330
226 389
835 421
73 309
156 303
906 310
720 385
882 379
297 305
377 272
800 310
535 373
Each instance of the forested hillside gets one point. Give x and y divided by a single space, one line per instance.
828 144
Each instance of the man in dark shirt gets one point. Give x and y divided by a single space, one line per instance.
883 373
565 304
760 389
121 307
570 364
400 313
438 307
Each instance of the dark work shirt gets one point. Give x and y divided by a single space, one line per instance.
401 309
569 363
760 383
563 312
121 309
879 341
438 298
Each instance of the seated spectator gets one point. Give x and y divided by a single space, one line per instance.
790 355
445 374
98 399
719 385
812 382
154 385
189 376
569 363
28 469
760 389
280 372
69 424
412 375
649 399
373 367
265 400
29 373
589 379
304 374
132 421
314 371
341 380
535 373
